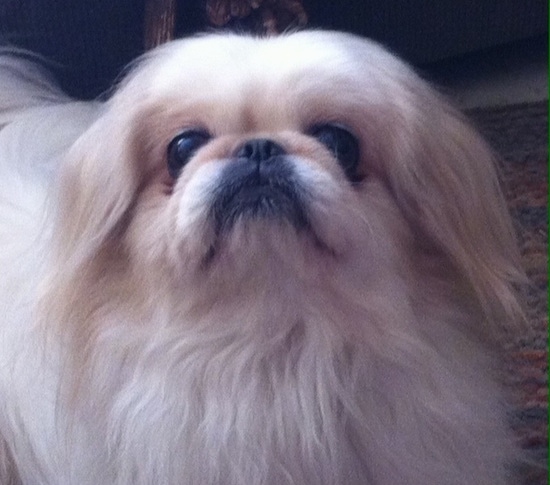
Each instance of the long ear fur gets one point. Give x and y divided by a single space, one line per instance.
101 176
450 193
97 189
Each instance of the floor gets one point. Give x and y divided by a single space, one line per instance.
505 75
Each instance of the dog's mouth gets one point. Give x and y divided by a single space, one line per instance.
250 191
259 195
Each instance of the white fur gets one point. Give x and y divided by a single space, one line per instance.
359 351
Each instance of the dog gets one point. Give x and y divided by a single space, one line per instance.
264 261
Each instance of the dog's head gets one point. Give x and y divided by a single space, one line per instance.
222 158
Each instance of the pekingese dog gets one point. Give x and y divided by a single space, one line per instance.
262 261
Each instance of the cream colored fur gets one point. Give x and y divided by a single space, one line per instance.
360 351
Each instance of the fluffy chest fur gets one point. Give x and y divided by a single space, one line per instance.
296 380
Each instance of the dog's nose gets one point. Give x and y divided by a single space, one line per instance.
259 150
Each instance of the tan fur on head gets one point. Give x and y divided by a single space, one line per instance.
436 167
337 330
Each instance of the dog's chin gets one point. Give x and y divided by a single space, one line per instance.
256 243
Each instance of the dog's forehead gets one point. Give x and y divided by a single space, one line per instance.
230 81
225 63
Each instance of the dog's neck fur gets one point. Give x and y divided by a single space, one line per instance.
257 353
246 355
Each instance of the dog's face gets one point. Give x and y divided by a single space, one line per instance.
224 157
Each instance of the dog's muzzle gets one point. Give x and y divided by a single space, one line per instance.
259 182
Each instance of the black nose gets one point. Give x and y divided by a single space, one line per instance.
259 150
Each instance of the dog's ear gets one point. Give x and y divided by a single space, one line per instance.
98 185
447 186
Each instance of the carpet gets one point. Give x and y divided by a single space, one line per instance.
519 135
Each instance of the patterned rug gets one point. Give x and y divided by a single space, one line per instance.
519 134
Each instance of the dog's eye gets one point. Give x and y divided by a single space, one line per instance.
182 148
342 144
